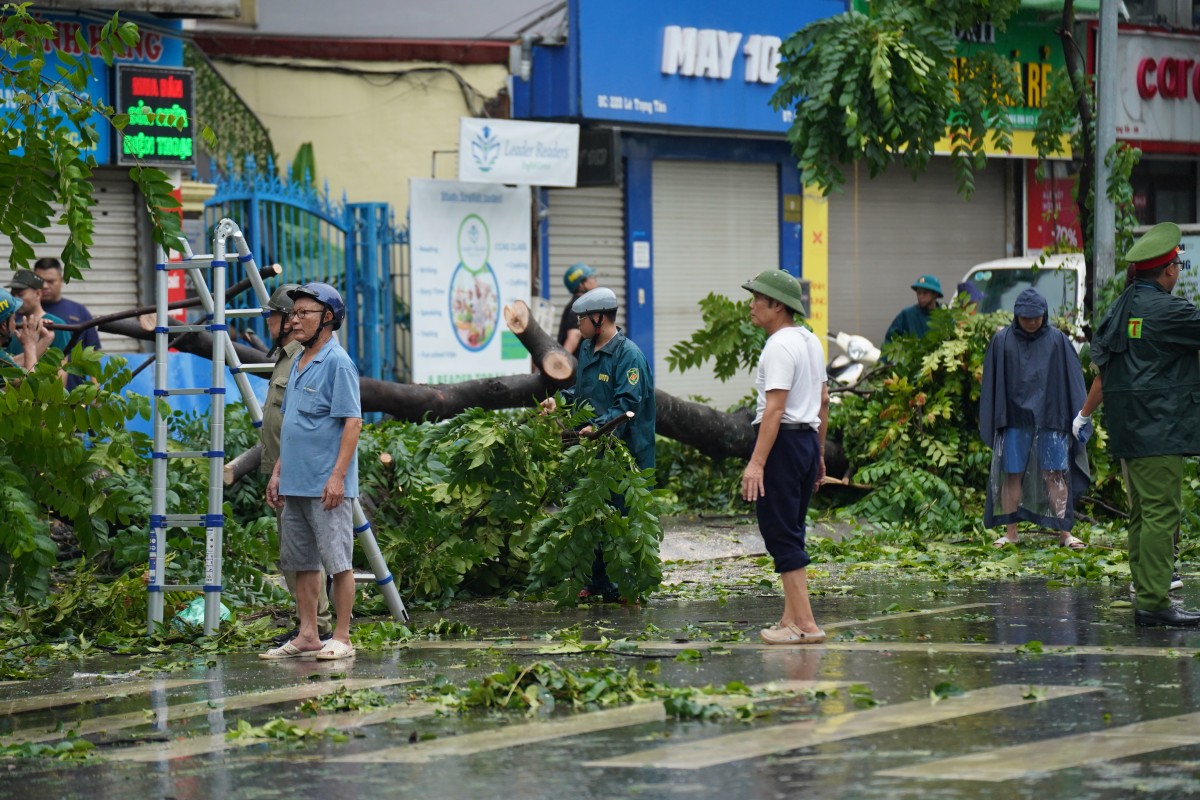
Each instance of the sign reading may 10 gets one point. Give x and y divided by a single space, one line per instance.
511 152
470 258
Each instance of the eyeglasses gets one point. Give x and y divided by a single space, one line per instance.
308 312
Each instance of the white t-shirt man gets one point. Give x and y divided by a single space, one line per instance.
794 360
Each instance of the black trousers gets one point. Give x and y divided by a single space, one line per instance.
788 479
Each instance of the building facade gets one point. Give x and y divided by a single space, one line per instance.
687 184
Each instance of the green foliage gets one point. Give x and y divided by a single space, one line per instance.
915 437
693 482
47 137
281 730
543 686
462 506
71 748
49 466
344 699
883 89
728 338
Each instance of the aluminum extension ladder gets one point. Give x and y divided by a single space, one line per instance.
223 352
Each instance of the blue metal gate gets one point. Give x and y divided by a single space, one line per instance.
355 247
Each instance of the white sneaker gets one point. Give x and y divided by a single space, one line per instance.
1176 584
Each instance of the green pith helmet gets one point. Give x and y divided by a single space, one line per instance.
778 285
596 300
929 283
1155 245
575 275
280 301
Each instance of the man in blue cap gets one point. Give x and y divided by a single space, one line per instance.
1146 348
914 320
1032 384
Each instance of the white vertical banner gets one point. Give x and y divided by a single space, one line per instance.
511 151
470 246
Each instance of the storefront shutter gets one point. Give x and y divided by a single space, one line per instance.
883 233
716 225
587 225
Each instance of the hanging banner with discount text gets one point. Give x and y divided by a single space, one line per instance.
470 246
507 151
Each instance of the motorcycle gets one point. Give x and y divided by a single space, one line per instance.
846 369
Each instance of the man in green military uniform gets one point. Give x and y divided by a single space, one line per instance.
279 324
613 377
914 320
1146 348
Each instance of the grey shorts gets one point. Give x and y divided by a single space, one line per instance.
311 537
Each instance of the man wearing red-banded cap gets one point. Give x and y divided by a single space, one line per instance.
1146 348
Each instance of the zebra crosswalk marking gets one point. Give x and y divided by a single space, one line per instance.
133 719
958 648
1050 755
795 735
216 743
21 705
526 733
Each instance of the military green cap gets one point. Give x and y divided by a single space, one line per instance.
778 285
929 283
25 279
1157 246
280 300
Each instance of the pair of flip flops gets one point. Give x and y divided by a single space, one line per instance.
333 650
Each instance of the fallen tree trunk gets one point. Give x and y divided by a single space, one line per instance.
714 433
554 362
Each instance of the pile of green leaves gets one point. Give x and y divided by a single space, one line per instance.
543 686
492 503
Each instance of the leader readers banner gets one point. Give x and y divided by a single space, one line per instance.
470 246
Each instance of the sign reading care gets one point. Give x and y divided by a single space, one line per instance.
510 152
1160 87
470 246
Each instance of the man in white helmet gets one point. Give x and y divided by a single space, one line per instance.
613 377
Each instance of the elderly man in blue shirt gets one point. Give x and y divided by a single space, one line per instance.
316 477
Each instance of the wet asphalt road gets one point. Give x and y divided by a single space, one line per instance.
1060 723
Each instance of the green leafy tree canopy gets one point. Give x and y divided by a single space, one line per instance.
48 140
881 89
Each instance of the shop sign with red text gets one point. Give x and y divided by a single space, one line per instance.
1160 88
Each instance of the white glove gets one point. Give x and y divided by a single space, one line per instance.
1078 425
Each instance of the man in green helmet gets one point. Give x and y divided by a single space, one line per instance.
788 462
284 348
1146 347
914 320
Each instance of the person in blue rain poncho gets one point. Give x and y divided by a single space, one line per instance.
1032 386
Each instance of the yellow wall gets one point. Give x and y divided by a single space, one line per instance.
370 134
